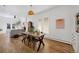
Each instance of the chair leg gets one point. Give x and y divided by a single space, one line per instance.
39 46
24 40
34 44
43 43
28 42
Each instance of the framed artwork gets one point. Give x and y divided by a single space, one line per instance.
8 26
13 26
60 23
77 23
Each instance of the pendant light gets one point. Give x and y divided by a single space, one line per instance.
30 12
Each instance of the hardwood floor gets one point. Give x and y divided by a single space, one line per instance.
8 45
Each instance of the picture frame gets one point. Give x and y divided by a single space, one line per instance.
8 26
77 23
60 23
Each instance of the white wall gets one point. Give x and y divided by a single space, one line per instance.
65 12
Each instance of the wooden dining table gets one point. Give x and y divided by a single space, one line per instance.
36 36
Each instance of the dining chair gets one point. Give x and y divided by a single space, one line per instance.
29 39
39 40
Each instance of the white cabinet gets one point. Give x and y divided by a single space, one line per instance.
78 42
75 42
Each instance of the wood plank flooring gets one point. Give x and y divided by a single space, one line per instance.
8 45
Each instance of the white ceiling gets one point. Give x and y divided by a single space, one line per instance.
21 10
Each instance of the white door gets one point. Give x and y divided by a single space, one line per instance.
43 25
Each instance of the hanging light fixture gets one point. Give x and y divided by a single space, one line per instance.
30 12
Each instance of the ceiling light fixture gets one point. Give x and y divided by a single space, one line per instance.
30 12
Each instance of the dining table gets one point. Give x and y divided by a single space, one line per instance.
35 36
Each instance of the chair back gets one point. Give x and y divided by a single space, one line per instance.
41 37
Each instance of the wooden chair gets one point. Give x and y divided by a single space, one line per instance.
40 41
28 38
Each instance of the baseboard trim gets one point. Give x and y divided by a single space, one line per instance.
58 40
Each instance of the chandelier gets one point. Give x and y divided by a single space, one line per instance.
30 12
